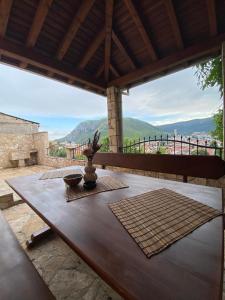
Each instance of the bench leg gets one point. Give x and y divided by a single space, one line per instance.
38 236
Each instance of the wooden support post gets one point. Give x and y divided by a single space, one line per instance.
223 74
114 102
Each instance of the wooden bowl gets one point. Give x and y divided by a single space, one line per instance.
72 179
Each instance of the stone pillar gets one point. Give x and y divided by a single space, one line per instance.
114 102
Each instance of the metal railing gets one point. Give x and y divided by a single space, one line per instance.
171 145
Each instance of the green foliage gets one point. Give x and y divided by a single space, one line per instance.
161 150
209 74
60 152
131 147
218 120
105 144
200 152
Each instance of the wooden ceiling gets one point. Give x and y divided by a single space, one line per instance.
94 44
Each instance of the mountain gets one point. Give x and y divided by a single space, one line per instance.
188 127
133 128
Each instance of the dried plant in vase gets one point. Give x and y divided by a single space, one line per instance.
90 176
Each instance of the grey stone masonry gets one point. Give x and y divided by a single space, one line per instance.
114 102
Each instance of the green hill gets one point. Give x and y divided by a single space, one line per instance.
132 128
188 127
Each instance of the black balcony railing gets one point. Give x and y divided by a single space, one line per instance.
172 145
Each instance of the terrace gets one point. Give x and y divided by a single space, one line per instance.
107 47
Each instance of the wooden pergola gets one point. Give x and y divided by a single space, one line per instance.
96 44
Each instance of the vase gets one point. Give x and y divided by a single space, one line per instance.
90 176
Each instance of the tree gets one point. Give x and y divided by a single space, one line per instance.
218 120
105 144
209 74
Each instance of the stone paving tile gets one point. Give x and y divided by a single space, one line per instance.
66 274
14 172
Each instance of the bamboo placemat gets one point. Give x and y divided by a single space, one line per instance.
158 218
104 184
59 173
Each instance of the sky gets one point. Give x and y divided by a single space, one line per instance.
59 107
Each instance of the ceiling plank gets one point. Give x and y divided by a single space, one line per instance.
199 51
114 71
78 19
137 20
212 17
108 36
122 49
5 8
174 23
92 48
27 55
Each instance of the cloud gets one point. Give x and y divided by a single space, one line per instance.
31 94
175 97
169 99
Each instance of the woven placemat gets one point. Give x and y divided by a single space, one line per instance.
104 184
158 218
59 173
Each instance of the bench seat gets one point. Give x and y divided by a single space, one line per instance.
19 280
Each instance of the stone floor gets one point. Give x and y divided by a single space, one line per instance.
13 172
68 277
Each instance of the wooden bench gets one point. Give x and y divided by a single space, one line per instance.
19 280
211 167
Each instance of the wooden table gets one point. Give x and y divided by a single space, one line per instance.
191 268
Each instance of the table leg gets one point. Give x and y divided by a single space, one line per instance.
38 236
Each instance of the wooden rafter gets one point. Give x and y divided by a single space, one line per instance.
212 17
5 7
114 70
99 71
92 48
74 27
174 23
137 20
108 35
27 55
39 18
123 51
38 21
203 49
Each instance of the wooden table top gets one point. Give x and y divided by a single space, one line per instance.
191 268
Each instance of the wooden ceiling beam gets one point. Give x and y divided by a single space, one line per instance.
137 20
78 19
99 71
198 51
212 17
108 36
92 48
38 21
174 23
123 51
114 70
5 8
27 55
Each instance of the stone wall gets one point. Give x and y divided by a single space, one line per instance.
60 162
10 124
30 148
